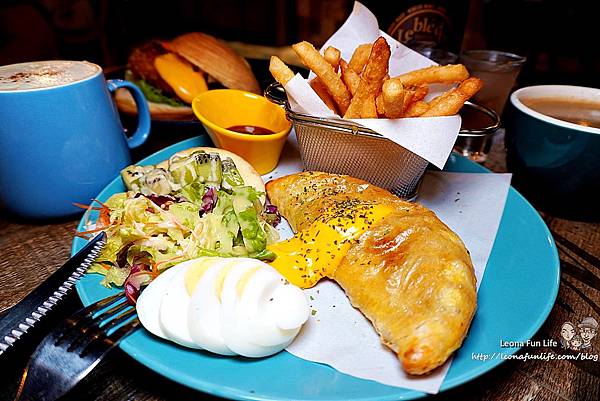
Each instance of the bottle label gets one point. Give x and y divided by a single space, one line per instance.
421 23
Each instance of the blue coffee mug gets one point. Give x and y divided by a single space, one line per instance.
555 163
61 145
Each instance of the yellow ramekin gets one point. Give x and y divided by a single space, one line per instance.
222 108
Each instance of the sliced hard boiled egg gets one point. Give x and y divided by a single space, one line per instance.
236 341
196 271
174 306
224 305
204 313
289 307
257 306
148 303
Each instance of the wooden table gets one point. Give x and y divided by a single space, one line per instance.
30 250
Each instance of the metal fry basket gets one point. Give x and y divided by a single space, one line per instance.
342 147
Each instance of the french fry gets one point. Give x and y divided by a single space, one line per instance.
280 71
369 108
416 109
332 55
350 77
380 106
443 74
363 103
469 87
325 96
449 103
359 57
408 100
312 59
362 87
420 92
393 98
413 95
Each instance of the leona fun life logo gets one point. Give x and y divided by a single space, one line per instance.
578 337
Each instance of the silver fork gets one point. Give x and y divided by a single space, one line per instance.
72 349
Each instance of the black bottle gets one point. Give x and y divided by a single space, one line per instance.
418 23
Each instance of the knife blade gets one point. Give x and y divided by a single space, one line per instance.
32 309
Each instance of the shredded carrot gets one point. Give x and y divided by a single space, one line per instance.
100 203
104 217
103 221
87 212
86 207
95 230
155 269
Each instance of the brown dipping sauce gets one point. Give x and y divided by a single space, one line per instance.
251 130
576 111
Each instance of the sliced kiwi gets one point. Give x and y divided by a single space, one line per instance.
231 175
157 181
183 168
182 171
209 168
133 177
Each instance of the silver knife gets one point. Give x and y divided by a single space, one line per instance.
31 310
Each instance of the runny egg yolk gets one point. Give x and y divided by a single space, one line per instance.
180 75
317 251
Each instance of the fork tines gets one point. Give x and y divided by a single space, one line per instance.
94 323
73 348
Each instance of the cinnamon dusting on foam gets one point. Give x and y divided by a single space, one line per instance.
44 74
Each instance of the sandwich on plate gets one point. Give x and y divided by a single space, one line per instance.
172 73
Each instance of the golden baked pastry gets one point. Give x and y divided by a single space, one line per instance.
404 269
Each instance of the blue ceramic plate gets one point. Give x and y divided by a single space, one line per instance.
517 293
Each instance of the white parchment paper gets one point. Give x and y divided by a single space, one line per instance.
338 334
431 138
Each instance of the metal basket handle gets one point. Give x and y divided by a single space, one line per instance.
276 94
485 131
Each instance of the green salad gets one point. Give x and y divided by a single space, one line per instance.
153 94
196 206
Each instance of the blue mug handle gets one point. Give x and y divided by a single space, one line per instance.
143 129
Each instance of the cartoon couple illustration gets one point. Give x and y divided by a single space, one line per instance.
570 339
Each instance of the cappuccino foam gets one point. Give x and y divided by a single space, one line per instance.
44 74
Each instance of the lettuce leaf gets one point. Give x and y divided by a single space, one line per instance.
243 204
161 234
155 95
186 213
115 276
194 192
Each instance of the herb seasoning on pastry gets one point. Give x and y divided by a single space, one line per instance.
404 269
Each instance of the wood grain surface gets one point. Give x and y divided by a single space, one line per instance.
31 250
